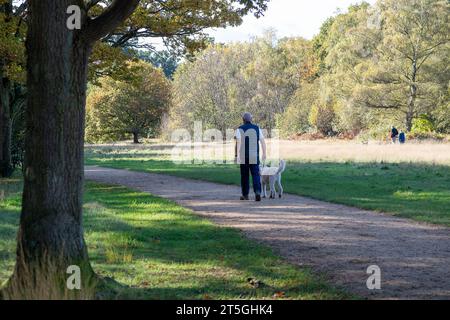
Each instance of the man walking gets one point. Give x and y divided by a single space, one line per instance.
394 134
248 139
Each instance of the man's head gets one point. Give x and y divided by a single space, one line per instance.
247 117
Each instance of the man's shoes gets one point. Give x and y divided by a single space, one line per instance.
244 198
258 198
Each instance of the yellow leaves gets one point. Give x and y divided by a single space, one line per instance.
12 47
96 10
108 61
16 72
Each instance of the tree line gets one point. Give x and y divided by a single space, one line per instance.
367 69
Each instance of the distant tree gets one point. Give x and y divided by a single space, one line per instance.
165 60
117 108
408 72
225 80
320 44
212 88
274 75
302 67
348 43
295 120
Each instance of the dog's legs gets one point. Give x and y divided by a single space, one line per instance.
264 189
280 187
272 188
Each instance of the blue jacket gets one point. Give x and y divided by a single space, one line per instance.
249 131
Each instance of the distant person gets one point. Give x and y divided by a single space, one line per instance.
402 137
248 138
394 134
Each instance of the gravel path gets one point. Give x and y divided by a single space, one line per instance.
339 241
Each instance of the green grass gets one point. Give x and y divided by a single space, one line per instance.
158 250
417 191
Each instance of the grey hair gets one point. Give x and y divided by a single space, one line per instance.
247 117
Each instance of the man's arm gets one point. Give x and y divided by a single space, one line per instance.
238 151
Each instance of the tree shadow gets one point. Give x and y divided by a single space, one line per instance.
185 241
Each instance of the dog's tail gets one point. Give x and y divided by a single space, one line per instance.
281 167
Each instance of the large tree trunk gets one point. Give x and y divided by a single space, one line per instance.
50 237
6 169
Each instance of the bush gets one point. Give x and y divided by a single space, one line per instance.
427 136
322 118
422 125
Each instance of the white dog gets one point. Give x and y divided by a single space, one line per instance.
271 176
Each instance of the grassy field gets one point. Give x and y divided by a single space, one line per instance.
416 190
158 250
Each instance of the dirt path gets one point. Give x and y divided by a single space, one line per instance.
340 241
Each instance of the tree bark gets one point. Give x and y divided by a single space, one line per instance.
409 121
6 168
410 112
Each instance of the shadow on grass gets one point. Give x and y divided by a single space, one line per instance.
177 242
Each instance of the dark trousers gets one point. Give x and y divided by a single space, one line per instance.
246 169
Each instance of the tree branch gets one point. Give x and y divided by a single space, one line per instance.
113 16
381 106
91 3
20 11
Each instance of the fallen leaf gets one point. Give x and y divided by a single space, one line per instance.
279 295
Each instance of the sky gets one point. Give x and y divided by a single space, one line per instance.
290 18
